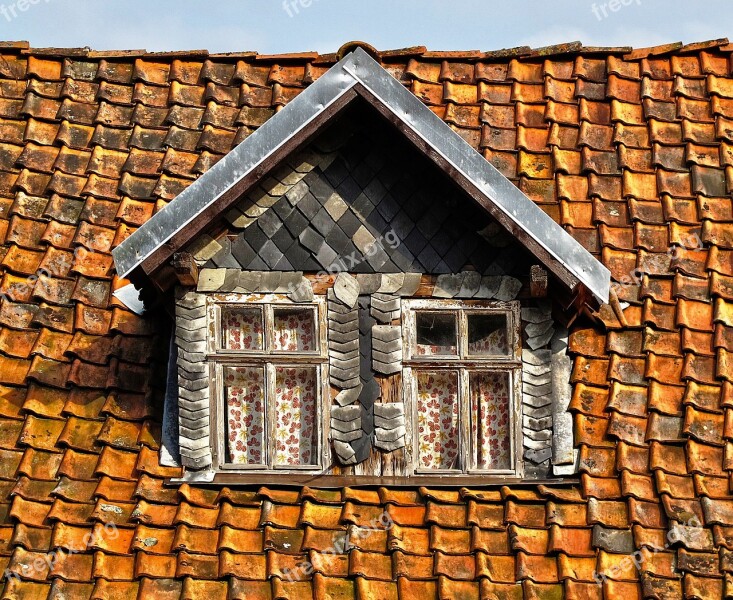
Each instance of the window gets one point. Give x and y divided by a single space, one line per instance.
462 369
269 360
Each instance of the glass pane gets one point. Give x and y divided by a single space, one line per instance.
490 424
487 334
437 419
295 330
244 390
296 428
242 328
436 333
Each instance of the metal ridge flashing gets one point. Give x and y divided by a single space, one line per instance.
359 69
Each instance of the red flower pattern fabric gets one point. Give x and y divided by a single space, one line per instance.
490 421
437 419
493 344
294 331
433 350
242 329
245 398
296 441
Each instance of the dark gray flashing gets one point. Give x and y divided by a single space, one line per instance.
354 69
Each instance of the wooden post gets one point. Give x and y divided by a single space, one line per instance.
186 268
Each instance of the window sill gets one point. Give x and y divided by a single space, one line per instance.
340 481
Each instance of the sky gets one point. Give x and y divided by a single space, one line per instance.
276 26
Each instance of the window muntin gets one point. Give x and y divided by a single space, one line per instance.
464 402
269 362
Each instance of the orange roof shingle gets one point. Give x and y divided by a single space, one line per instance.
629 150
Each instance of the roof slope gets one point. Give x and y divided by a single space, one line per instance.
629 151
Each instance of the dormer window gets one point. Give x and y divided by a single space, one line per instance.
305 344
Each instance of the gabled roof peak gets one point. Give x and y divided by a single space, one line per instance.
359 75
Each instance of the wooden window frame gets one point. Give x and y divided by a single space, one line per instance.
218 359
464 364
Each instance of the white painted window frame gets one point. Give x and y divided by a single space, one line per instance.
463 364
219 358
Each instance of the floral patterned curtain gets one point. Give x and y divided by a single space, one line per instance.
487 334
494 343
294 331
296 441
433 350
245 394
490 420
242 329
437 419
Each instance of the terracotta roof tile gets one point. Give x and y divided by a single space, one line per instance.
532 541
402 515
640 162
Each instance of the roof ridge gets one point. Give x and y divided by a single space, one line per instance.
567 48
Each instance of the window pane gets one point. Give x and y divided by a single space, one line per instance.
487 334
437 419
244 389
436 333
242 328
295 330
296 429
490 425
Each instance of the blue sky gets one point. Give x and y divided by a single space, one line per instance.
273 26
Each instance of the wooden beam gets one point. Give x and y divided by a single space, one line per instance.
537 281
187 271
330 481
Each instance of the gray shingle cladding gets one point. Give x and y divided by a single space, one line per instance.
355 201
193 379
361 346
358 200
